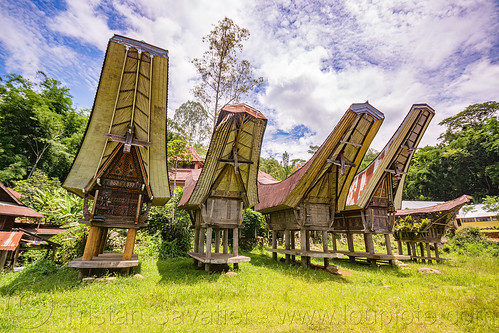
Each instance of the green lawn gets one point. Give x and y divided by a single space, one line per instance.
265 296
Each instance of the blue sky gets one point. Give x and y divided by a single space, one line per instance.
317 57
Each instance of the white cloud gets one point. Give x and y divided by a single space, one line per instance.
317 57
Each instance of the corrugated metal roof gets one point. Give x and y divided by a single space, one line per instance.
9 240
9 209
477 211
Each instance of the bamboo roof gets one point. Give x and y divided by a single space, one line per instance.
132 93
346 145
231 163
394 158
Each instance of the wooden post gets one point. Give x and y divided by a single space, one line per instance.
3 258
293 245
436 252
196 240
16 255
409 248
325 247
235 241
307 241
428 252
287 245
413 248
130 244
196 244
274 244
334 242
399 245
226 241
217 240
209 232
368 239
303 247
201 241
103 240
388 244
421 250
90 246
351 247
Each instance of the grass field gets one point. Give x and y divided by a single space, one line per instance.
265 296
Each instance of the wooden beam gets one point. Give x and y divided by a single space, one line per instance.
129 244
325 247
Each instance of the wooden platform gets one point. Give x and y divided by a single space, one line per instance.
106 260
429 258
375 256
219 258
315 254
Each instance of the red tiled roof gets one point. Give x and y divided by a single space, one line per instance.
9 240
443 207
190 183
194 155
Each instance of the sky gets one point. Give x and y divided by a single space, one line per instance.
316 57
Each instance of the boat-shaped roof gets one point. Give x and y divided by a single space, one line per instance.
350 138
132 94
394 158
232 159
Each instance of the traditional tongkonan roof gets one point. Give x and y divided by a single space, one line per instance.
344 149
394 158
231 163
452 205
129 111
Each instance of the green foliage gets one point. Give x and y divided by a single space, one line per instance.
177 152
40 128
47 197
272 167
254 226
30 188
224 78
370 156
173 225
470 241
491 203
466 162
409 228
191 121
72 242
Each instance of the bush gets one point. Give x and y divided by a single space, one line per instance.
470 241
254 226
72 243
176 235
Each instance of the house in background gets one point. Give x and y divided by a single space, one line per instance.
184 168
12 238
477 216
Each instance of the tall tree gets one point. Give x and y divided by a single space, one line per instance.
466 162
40 128
224 78
194 126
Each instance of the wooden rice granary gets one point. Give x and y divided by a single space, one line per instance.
439 217
376 192
216 195
308 200
122 163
